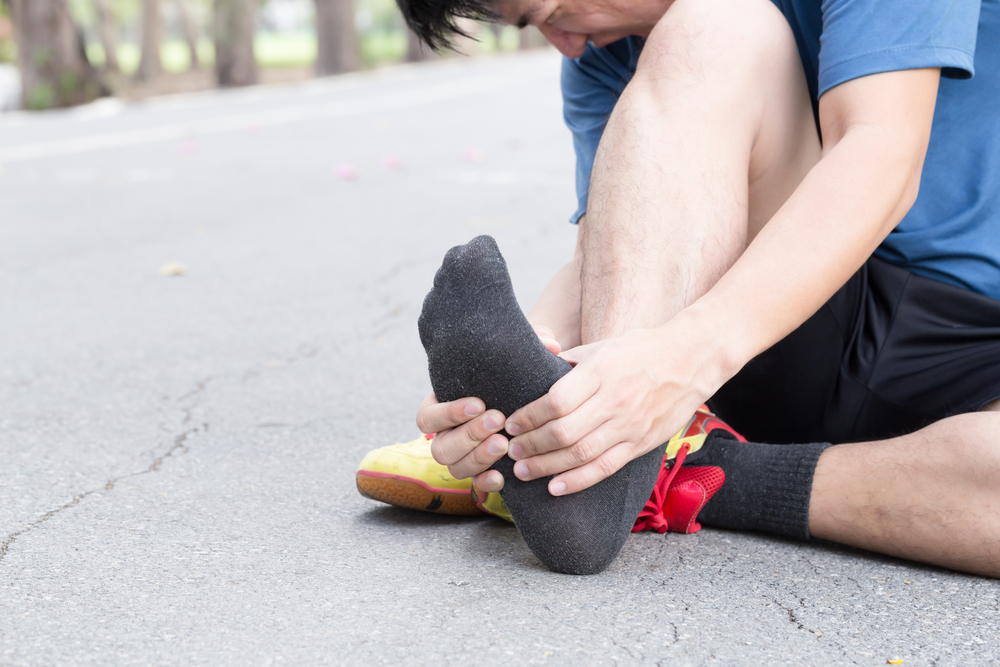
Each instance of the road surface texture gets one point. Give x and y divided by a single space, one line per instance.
177 453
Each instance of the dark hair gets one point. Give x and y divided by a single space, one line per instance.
435 22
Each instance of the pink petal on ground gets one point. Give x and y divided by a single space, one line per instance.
188 147
473 154
345 172
392 163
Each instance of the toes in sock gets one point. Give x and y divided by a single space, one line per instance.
479 343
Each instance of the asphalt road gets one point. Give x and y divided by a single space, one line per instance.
177 452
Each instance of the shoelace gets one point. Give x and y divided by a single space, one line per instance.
651 517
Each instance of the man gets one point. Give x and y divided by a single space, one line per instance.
727 253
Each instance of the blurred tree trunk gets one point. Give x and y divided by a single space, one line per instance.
497 31
416 50
531 38
336 40
107 27
150 65
54 68
235 64
190 31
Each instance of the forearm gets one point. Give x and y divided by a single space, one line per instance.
825 231
558 307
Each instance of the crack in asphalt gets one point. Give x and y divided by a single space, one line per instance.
176 446
5 547
792 618
673 630
188 403
306 350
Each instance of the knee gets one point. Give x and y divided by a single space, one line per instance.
983 445
703 40
970 443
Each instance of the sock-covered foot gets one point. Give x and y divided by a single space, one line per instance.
767 487
479 343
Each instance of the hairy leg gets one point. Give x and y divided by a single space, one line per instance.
708 140
930 496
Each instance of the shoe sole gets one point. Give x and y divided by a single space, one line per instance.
415 494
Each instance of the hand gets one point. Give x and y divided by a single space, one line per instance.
467 439
625 396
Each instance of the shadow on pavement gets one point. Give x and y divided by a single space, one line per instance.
387 515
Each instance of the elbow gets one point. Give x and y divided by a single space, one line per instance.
908 197
910 184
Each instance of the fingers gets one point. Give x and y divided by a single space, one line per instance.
467 440
575 355
578 432
480 458
491 481
451 446
548 338
591 473
584 451
434 416
565 396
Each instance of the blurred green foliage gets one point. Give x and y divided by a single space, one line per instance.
381 36
8 50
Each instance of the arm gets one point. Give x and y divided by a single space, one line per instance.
558 307
631 393
876 131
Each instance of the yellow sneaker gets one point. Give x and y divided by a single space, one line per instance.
491 503
407 475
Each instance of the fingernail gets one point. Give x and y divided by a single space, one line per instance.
495 481
513 429
492 423
472 409
515 452
556 488
494 448
521 471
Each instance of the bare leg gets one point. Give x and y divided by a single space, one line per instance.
711 136
930 496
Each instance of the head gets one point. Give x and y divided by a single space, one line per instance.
567 24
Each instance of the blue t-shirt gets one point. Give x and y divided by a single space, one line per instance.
952 233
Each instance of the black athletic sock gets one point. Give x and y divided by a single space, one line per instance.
767 486
479 343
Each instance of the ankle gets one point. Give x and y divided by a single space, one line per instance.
768 487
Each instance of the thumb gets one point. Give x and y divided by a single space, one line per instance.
548 338
577 354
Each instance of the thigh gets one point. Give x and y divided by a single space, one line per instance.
709 138
736 63
890 353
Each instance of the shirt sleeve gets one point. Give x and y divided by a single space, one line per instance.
862 37
591 85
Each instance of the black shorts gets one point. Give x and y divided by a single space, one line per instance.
890 353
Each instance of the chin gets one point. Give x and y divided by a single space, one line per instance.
601 42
